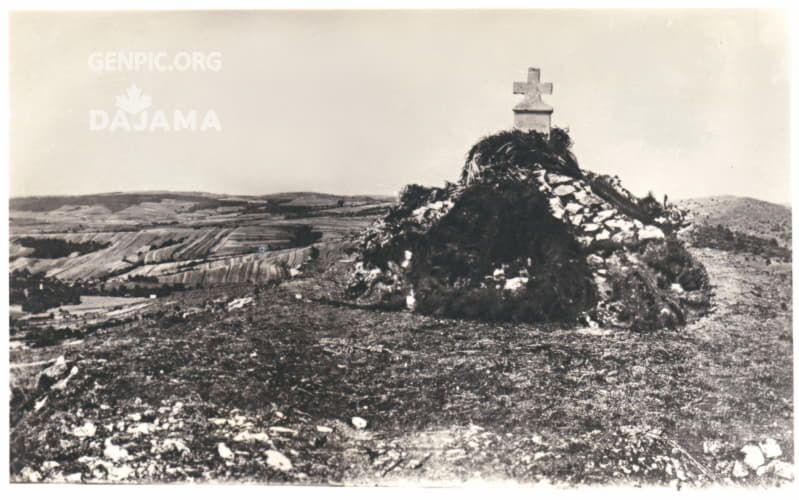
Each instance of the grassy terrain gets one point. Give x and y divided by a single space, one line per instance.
445 400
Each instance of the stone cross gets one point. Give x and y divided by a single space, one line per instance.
532 113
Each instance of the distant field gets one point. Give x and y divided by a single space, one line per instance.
189 238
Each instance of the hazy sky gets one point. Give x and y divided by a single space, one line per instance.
689 103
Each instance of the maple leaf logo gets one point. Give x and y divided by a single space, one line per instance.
133 101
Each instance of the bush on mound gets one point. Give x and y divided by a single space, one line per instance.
524 236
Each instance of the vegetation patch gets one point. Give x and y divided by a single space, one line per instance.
53 248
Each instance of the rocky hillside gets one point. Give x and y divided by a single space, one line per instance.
527 235
746 215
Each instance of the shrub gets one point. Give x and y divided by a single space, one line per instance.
507 152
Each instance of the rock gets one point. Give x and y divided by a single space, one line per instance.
604 215
677 288
410 301
249 437
753 457
739 470
564 190
28 475
594 260
590 228
623 237
407 260
359 423
576 219
770 448
620 224
224 452
50 465
38 405
573 208
141 428
282 430
239 303
114 452
86 430
171 445
555 179
278 461
136 417
54 372
61 385
783 470
650 233
515 284
556 208
119 473
603 236
324 429
712 447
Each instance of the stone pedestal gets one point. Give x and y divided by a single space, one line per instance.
533 113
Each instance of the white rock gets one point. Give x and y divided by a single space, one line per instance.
359 423
282 430
248 437
783 470
621 224
30 476
554 179
753 457
604 215
298 296
57 369
136 417
576 219
410 301
224 452
62 384
564 190
739 470
594 260
712 447
651 233
677 288
324 429
604 235
590 228
623 236
86 430
770 448
573 208
407 261
278 461
39 404
141 428
240 302
515 284
171 445
119 473
114 452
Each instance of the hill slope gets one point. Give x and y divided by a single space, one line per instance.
747 215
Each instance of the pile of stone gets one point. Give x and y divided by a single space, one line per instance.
626 250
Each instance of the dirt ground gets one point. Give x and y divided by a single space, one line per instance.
267 392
